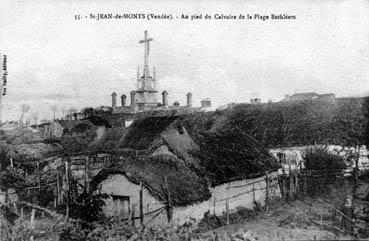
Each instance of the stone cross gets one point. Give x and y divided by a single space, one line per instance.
146 41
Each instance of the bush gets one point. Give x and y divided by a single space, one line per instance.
12 178
118 231
88 208
319 158
4 158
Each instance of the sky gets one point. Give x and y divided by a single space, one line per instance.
54 59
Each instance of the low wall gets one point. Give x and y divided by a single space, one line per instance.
239 194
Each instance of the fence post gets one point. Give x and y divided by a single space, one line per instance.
141 205
305 184
289 182
87 186
67 184
1 226
297 187
32 220
321 216
356 168
169 204
227 205
253 192
38 177
22 213
133 214
58 188
215 201
266 192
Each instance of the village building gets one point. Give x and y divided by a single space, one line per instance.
308 96
58 128
163 169
291 160
255 101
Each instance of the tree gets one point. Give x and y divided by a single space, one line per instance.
24 109
88 111
71 113
54 109
35 118
64 112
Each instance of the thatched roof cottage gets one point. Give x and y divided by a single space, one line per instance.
173 166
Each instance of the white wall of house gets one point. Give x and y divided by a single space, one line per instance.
119 185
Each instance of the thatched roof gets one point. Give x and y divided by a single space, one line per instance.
220 153
34 150
152 132
143 132
20 135
184 186
229 154
110 140
70 124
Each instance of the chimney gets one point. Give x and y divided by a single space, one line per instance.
133 101
114 99
189 99
165 98
123 99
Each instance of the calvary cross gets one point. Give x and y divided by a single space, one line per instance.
146 40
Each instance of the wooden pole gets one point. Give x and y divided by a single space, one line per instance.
1 225
355 177
39 177
215 201
305 183
169 204
33 217
253 192
297 185
141 205
130 213
58 189
68 187
289 181
227 205
133 215
87 172
321 216
266 192
55 199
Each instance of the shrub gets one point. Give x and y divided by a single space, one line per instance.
319 158
88 207
4 158
12 178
